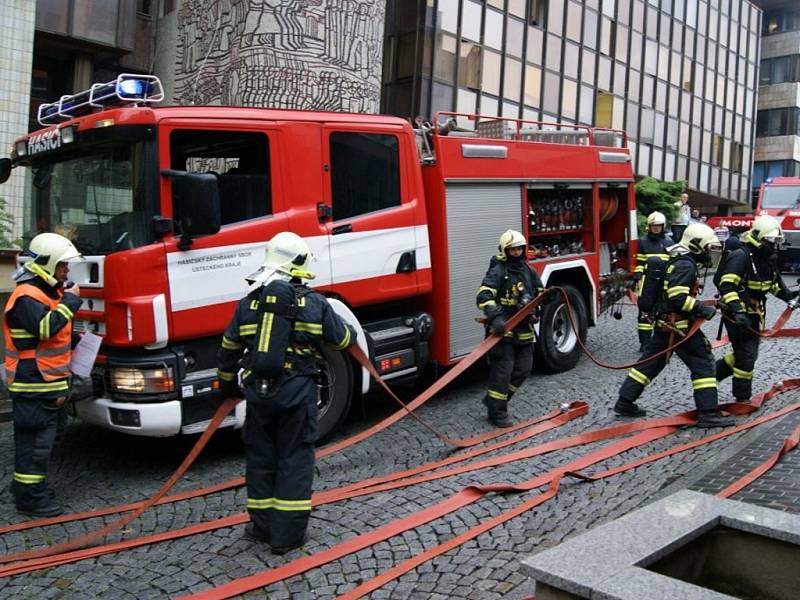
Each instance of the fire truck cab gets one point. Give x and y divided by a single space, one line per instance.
172 208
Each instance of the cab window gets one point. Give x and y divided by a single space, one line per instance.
241 162
365 173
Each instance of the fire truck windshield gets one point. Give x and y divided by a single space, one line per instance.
96 198
781 196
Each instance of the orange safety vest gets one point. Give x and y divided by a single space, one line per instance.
52 354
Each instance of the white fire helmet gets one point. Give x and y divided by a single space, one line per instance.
656 218
47 250
287 255
511 239
767 229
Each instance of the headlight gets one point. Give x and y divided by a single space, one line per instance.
142 381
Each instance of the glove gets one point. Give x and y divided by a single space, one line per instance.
742 320
707 312
526 298
498 325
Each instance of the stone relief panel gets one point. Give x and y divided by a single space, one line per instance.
305 54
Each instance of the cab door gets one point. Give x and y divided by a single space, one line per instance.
374 239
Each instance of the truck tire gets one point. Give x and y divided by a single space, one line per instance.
557 348
334 392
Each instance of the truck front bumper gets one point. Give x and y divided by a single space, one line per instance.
158 419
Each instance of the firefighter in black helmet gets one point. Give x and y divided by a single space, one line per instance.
677 309
748 274
654 244
281 421
509 284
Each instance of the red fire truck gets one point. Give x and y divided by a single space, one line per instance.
780 198
172 207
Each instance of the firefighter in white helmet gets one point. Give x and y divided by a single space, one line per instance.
509 284
678 307
38 343
748 273
652 246
282 323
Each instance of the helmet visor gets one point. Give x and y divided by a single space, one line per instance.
714 252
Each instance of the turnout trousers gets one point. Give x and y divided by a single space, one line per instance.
37 426
509 365
741 361
644 324
279 434
695 354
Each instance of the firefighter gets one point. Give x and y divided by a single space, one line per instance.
748 274
655 243
678 307
281 423
38 342
509 284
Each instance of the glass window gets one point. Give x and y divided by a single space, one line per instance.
657 168
493 34
604 74
590 30
533 85
587 66
517 7
675 69
621 50
512 80
538 12
652 23
691 14
511 110
552 85
619 78
514 33
466 102
469 65
569 93
608 7
672 133
634 79
571 55
491 73
648 90
632 120
444 65
587 105
442 98
636 50
553 52
365 173
717 144
661 96
607 30
643 158
604 109
683 138
646 126
533 50
624 12
638 15
651 57
658 130
489 106
574 18
471 21
448 15
242 162
663 63
555 16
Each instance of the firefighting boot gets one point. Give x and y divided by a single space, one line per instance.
252 532
279 550
497 412
712 418
626 408
49 510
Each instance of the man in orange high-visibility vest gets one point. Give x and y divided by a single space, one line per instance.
37 328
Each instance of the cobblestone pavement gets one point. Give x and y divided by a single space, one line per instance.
97 468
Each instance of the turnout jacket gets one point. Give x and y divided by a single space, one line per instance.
38 340
315 324
501 290
651 245
747 277
679 304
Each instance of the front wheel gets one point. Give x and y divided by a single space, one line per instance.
334 392
557 348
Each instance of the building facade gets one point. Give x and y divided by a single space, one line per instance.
679 76
777 148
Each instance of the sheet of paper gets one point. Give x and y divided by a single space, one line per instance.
84 354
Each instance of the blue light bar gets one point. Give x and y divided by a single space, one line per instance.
124 90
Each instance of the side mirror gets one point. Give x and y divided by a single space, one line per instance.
5 169
195 202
